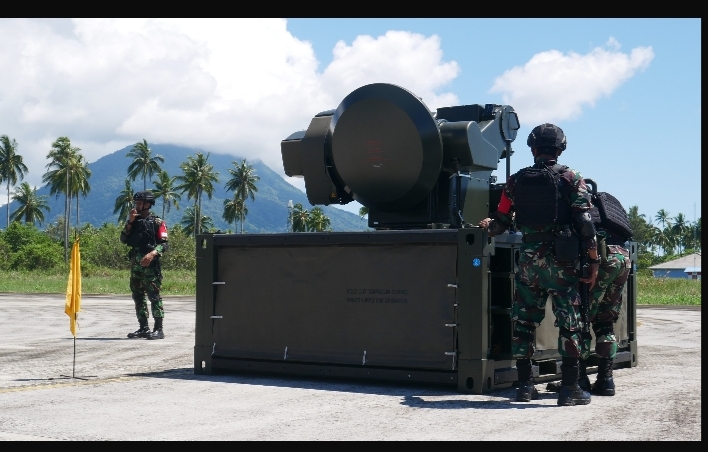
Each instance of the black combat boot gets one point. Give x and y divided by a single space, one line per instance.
143 331
527 391
570 393
604 385
157 331
583 380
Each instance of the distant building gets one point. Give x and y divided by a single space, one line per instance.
684 267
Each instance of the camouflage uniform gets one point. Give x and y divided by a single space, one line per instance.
606 300
541 275
145 282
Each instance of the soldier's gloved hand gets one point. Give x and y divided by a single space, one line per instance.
594 268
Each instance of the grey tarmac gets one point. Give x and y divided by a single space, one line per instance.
135 389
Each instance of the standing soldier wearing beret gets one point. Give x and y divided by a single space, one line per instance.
146 235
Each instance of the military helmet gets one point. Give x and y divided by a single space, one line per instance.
145 196
547 135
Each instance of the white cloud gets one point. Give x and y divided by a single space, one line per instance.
226 85
554 86
613 44
402 58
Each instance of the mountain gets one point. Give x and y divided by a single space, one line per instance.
267 214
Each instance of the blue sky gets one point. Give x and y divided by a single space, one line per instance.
641 142
625 91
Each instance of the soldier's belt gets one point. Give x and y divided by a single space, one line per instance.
538 237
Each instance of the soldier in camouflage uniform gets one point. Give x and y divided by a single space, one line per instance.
605 306
146 235
550 204
604 310
605 302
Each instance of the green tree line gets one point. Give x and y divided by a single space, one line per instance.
660 238
68 174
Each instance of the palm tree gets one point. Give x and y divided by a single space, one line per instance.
11 166
189 220
143 164
363 211
663 238
164 186
61 162
662 217
31 205
124 202
319 222
235 210
301 218
678 230
243 182
79 185
197 177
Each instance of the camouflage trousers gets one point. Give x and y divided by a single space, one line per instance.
606 303
540 275
145 285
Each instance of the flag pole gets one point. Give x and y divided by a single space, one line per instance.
73 366
76 319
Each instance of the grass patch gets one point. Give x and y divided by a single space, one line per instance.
100 281
667 291
650 290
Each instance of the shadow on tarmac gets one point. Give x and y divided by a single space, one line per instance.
456 404
410 392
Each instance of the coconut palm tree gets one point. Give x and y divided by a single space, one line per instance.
79 184
243 180
663 239
189 220
124 203
235 210
198 177
62 158
164 186
319 222
662 217
11 167
300 219
143 164
31 205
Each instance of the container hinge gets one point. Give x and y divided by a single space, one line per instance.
218 282
363 360
216 317
285 355
454 286
454 358
453 325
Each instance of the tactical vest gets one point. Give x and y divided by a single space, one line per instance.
540 197
609 214
143 234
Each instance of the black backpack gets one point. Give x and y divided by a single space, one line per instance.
610 215
539 197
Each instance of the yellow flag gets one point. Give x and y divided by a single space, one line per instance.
73 288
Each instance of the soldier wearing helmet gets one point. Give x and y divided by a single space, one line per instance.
146 235
550 205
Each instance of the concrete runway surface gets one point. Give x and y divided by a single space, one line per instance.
146 390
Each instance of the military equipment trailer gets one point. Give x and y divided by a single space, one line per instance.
424 297
428 306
